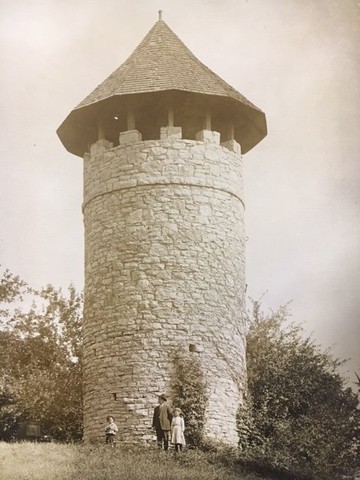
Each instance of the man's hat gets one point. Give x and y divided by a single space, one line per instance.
163 397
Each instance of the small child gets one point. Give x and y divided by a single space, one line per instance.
110 430
177 431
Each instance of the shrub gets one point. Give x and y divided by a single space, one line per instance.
300 418
190 395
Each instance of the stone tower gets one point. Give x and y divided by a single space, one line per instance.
163 207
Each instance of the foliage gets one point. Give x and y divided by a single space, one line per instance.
299 417
40 365
190 395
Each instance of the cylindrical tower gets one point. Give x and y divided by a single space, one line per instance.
164 234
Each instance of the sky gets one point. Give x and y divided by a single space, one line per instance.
297 60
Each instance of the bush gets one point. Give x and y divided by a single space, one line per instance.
299 418
190 395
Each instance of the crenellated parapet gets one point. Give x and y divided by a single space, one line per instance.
161 162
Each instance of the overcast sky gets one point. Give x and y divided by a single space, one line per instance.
297 60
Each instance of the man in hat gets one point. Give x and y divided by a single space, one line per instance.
162 422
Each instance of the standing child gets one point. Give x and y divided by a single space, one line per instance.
177 430
110 430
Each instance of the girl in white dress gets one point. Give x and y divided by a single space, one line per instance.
177 431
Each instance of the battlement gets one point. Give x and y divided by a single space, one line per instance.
169 161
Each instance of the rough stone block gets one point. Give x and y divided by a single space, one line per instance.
129 137
233 146
208 136
100 147
170 132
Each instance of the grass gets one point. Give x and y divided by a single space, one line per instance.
39 461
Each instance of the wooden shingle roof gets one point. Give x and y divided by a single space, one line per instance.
161 63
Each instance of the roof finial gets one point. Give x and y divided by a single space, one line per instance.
160 14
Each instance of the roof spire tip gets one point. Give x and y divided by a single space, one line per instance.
160 14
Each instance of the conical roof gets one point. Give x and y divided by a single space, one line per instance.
160 63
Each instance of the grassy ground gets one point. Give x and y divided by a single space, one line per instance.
36 461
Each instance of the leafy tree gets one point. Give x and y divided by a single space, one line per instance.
299 417
40 365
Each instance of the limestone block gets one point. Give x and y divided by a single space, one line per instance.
233 146
208 136
129 137
100 147
177 145
170 132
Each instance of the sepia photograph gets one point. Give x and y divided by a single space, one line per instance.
180 240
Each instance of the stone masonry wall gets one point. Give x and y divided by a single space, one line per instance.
164 267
